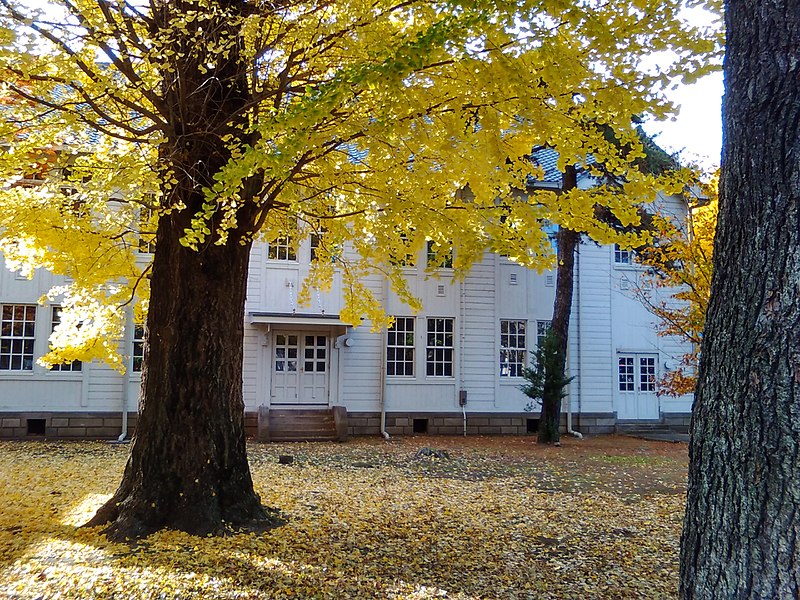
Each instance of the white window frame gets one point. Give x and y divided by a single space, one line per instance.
17 336
647 373
542 327
513 347
75 366
626 373
282 249
440 347
147 240
137 350
623 257
401 348
430 257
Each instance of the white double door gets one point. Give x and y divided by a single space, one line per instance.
300 368
637 374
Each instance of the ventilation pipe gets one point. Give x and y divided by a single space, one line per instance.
385 339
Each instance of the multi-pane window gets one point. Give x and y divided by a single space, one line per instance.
512 348
17 336
647 373
314 243
400 347
622 256
439 350
542 327
137 356
405 256
626 374
147 229
315 352
444 260
282 249
75 365
286 347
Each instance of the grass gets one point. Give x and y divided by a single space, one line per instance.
499 518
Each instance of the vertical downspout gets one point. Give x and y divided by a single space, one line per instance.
126 378
577 281
384 341
462 328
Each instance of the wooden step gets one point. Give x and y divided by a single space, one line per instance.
285 425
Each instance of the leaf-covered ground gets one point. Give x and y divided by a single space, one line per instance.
498 518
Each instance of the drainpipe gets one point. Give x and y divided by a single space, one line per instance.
577 284
385 340
462 326
127 340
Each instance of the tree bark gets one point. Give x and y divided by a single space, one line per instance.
567 242
188 467
741 536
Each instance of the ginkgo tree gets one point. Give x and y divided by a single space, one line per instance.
376 124
680 262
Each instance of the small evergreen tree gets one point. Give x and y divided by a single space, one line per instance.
545 381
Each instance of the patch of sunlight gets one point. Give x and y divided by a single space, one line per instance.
84 510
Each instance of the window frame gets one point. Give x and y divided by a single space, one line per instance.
394 347
518 351
622 257
445 350
146 243
542 327
282 249
430 256
137 348
74 366
10 340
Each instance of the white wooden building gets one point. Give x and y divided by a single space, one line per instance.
450 369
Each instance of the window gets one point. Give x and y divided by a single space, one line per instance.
17 336
626 379
315 351
647 373
282 249
286 347
622 256
400 347
542 327
405 256
315 242
444 260
439 354
147 229
75 365
137 356
512 348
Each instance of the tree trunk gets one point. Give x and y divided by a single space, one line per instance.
741 536
567 242
188 468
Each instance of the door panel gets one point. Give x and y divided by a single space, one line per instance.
300 368
637 374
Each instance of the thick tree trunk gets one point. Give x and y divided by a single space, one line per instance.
567 242
188 468
741 536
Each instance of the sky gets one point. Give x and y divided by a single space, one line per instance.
697 130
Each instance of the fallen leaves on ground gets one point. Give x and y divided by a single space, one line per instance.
496 518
